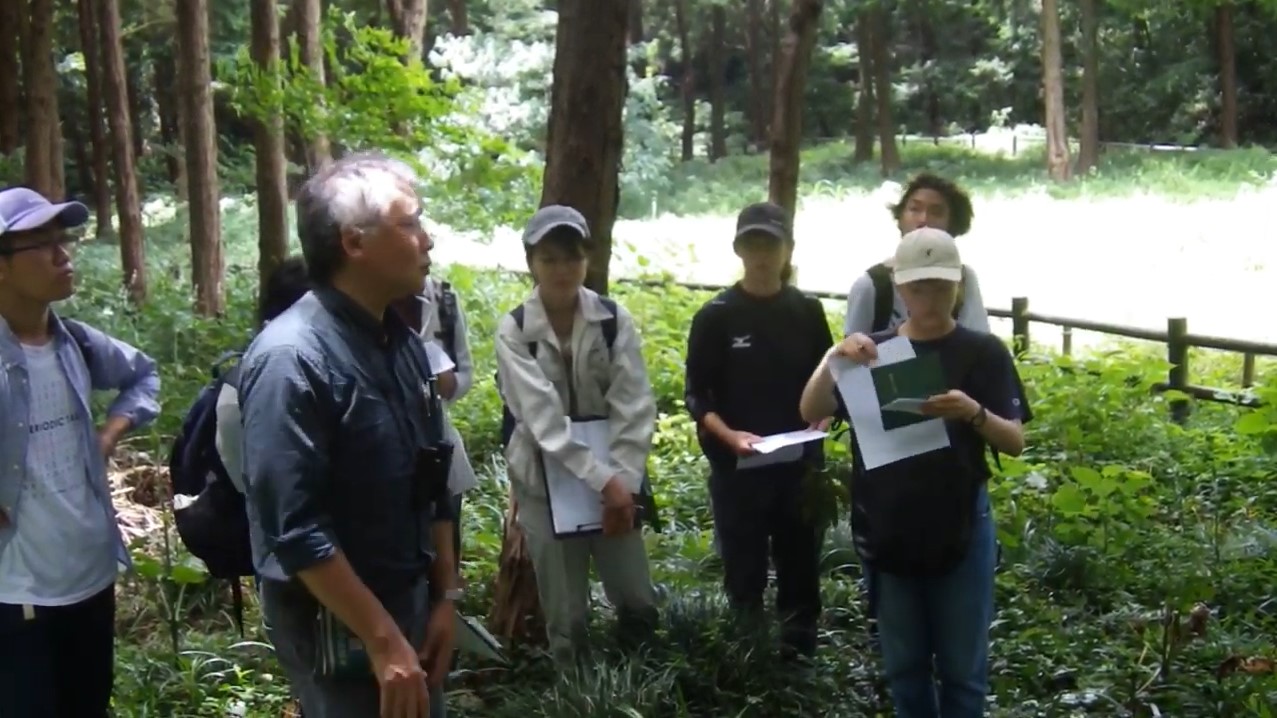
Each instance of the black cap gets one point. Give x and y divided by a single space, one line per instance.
764 217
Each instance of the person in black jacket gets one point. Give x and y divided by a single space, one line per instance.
749 353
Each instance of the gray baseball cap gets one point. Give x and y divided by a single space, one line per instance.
23 209
551 217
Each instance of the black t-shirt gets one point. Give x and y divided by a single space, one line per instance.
748 359
978 364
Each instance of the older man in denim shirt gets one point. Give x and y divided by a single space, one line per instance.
60 547
345 462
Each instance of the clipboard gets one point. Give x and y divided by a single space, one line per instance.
576 509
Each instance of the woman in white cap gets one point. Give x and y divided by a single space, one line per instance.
921 518
569 362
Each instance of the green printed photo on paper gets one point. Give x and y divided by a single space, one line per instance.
917 378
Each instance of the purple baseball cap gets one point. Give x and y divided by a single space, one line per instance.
23 209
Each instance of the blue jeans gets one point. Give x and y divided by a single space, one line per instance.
935 630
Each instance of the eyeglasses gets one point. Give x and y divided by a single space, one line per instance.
67 241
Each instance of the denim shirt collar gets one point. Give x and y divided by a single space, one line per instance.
388 330
11 346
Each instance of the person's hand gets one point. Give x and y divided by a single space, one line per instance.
857 347
404 693
441 633
618 508
106 444
822 425
742 442
952 404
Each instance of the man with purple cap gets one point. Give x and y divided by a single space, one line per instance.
60 547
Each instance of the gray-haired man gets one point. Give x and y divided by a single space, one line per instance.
345 462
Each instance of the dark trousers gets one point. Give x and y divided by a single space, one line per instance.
758 512
58 662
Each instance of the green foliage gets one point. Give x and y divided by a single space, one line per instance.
371 99
1139 555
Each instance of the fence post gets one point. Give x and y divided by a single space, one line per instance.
1066 336
1020 325
1248 371
1177 355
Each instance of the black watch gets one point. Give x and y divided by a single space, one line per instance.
980 417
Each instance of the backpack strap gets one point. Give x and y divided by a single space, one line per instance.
884 296
609 325
81 339
962 293
448 320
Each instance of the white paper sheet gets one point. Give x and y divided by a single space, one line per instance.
440 362
789 438
878 446
574 506
473 638
784 455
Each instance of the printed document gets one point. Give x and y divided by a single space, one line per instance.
879 443
575 507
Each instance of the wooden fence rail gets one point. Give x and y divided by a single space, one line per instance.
1176 337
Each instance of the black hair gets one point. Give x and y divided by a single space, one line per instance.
959 202
288 283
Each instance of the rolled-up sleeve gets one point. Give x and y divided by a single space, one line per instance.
631 404
534 403
286 445
118 366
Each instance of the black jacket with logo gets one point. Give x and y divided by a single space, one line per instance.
748 359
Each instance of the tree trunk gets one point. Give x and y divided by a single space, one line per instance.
927 49
889 155
636 32
460 17
57 146
757 83
865 106
585 136
170 113
94 109
196 96
311 52
1227 75
128 206
10 77
516 607
1088 154
133 86
272 184
682 23
41 81
1057 137
717 92
408 20
787 117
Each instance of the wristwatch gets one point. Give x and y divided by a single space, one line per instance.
453 595
980 417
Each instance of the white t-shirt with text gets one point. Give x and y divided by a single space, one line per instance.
63 551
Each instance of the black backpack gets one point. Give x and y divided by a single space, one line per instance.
213 527
885 295
915 517
646 501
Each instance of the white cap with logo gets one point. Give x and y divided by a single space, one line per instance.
926 253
